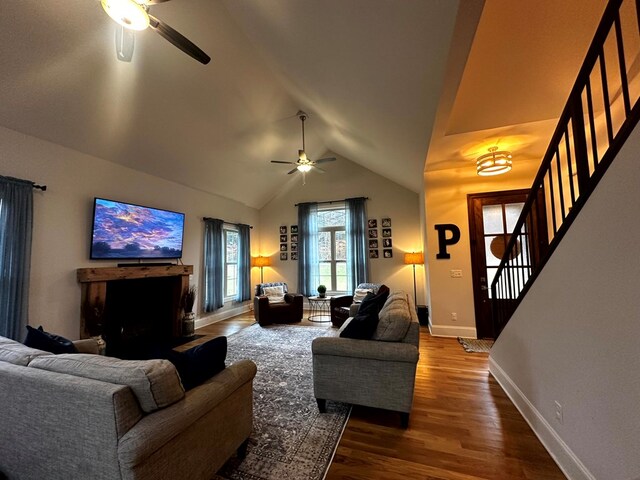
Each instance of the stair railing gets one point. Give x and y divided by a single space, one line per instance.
599 116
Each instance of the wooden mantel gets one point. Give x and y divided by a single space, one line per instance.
94 291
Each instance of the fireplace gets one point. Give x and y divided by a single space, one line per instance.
134 307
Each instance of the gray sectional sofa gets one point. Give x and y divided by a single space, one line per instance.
376 373
79 416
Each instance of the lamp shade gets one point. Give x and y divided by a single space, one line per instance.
413 258
262 261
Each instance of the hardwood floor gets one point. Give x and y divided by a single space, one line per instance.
462 427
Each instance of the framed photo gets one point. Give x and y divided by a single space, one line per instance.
283 229
283 247
386 232
386 243
373 243
283 255
283 238
373 233
294 248
386 222
294 255
387 253
294 238
373 223
373 253
294 229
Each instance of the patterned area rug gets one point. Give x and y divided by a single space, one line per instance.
290 439
475 345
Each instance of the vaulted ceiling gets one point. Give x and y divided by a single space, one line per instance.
389 85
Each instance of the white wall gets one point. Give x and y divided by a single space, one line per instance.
446 202
574 338
345 179
62 219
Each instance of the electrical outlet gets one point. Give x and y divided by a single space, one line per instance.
559 414
454 317
455 273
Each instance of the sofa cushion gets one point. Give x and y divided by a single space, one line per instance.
49 342
155 383
200 363
394 318
17 353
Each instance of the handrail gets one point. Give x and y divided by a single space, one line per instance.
582 147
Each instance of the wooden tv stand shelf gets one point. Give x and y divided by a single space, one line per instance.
94 283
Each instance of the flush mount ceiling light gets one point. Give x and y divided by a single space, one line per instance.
494 163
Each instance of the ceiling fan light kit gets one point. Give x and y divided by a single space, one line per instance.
127 13
494 163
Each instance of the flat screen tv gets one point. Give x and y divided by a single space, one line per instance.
125 231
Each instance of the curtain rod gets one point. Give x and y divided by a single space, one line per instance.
40 187
230 223
331 201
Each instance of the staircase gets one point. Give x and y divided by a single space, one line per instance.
601 113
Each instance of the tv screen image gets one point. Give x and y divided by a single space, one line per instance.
127 231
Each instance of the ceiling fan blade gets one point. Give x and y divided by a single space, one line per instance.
292 171
325 160
320 170
278 161
179 40
125 41
150 2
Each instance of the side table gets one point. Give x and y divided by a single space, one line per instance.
320 309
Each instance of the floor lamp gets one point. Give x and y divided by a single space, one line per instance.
262 262
414 258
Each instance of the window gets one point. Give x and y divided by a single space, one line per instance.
332 248
230 263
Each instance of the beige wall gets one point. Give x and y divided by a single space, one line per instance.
63 219
344 179
574 338
446 202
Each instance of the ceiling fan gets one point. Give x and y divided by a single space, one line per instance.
134 15
304 164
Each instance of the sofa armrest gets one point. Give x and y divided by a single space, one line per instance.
369 349
158 428
295 298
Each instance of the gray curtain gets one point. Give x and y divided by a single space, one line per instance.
16 225
244 263
213 265
357 251
308 272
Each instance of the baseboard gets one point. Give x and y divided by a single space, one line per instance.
568 462
451 331
217 317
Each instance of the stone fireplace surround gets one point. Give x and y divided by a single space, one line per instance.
132 305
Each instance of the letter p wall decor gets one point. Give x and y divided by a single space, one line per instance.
443 241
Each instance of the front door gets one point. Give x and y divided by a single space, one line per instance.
492 217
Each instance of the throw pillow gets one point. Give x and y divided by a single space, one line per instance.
201 362
363 325
38 338
360 293
274 294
